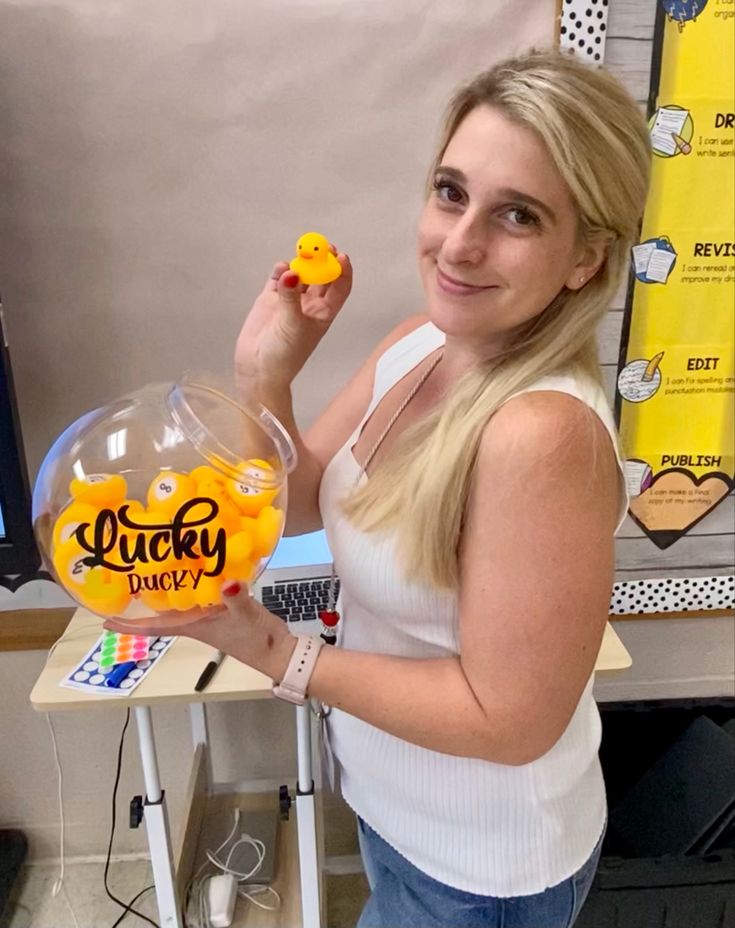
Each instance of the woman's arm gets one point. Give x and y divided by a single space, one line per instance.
536 574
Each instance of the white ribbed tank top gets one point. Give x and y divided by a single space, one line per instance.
486 828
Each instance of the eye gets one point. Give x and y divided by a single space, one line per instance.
316 248
446 191
522 216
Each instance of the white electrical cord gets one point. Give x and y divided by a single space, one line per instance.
58 886
72 636
197 894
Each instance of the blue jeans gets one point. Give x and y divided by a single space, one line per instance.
404 897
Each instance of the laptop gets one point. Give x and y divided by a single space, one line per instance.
296 582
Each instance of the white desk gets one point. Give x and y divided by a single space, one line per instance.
172 682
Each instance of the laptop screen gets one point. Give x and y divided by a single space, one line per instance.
301 551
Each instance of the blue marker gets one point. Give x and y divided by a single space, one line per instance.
115 678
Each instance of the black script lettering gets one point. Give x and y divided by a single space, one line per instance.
154 542
218 547
160 538
103 539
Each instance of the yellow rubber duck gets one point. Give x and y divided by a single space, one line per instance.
314 262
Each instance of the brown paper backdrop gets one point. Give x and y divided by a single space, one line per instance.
156 158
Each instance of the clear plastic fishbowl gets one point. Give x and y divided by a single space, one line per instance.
149 504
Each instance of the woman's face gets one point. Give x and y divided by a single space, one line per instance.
498 235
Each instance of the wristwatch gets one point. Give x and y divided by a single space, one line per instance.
293 686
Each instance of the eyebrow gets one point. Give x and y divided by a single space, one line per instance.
509 192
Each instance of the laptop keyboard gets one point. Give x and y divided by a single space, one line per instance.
298 601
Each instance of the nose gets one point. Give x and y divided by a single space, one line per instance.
465 242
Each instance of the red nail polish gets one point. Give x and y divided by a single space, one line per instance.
231 588
291 281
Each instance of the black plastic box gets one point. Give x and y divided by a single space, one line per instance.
690 890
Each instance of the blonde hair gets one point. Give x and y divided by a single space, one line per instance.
598 140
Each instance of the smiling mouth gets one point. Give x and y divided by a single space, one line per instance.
457 287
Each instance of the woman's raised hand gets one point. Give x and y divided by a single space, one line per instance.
286 323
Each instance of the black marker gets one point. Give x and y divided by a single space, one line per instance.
208 672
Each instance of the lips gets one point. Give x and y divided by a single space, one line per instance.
457 287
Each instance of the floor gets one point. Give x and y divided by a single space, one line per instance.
36 906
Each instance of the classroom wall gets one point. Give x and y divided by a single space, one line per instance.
143 259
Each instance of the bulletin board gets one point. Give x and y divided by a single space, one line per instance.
676 380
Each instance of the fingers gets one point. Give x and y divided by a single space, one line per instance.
235 595
338 291
279 268
165 623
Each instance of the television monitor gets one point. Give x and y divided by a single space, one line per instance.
18 552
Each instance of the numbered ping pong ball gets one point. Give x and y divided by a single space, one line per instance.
70 519
169 490
248 498
68 561
103 490
101 590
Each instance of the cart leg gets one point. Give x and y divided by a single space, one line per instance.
200 735
156 824
306 822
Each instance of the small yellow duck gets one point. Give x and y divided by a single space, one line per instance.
314 262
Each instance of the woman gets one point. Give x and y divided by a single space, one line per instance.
469 481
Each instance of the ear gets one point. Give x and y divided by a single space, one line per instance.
590 258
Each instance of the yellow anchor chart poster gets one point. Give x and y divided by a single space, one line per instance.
676 379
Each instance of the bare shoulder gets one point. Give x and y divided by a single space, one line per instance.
548 429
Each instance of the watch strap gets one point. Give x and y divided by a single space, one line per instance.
296 679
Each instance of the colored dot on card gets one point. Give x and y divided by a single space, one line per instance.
107 662
139 654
